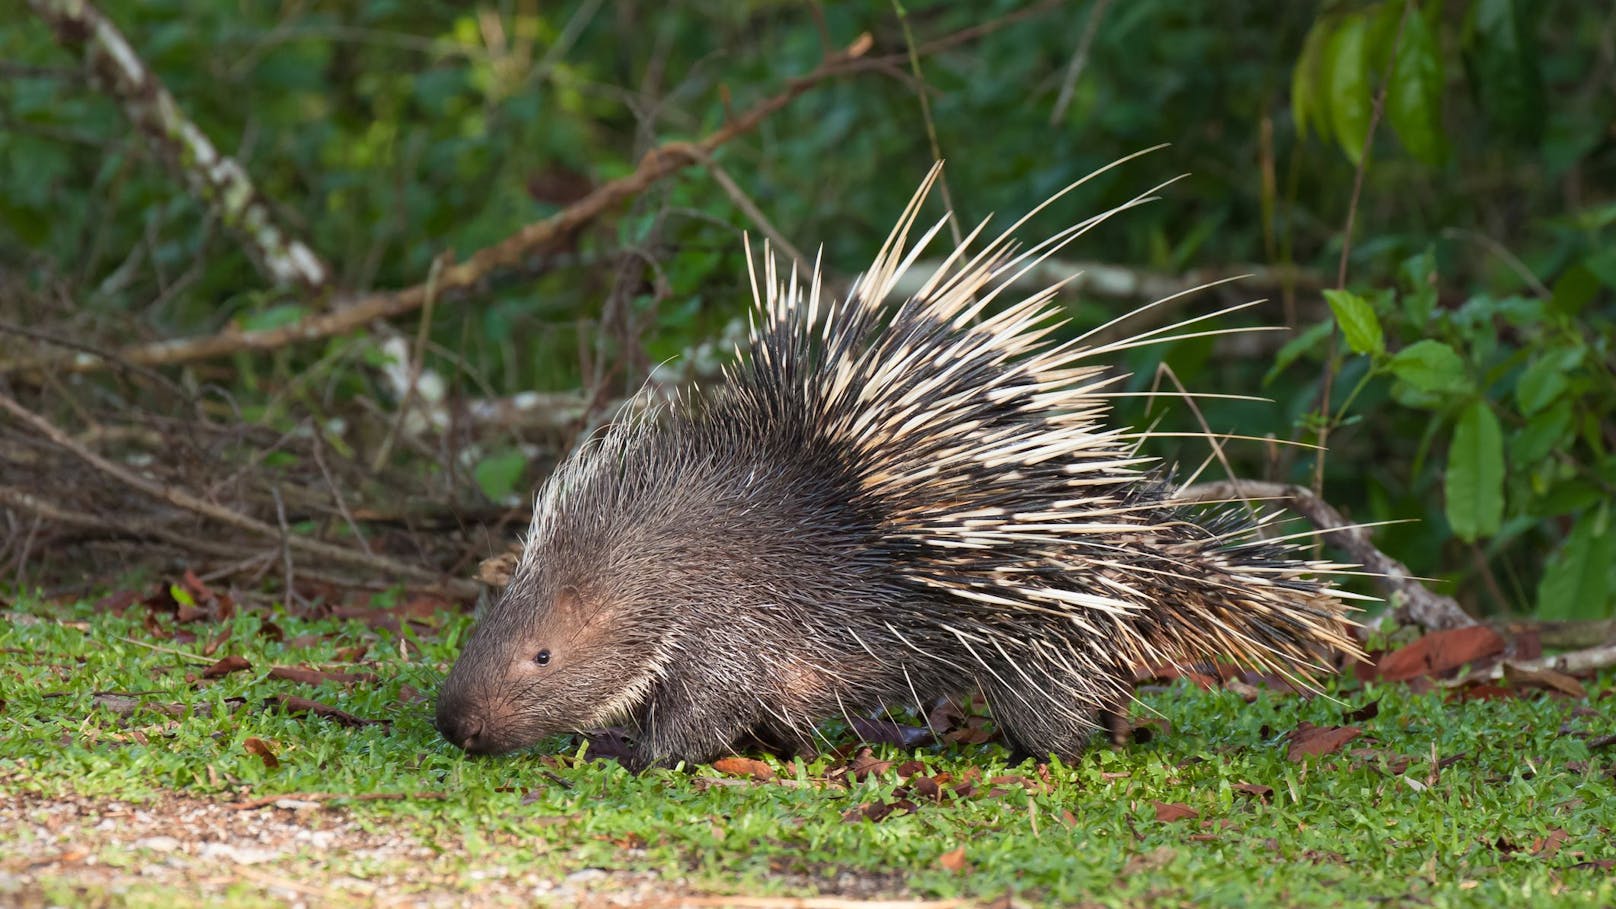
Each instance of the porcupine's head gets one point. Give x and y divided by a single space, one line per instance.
575 640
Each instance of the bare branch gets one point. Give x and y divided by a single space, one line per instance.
1411 601
214 177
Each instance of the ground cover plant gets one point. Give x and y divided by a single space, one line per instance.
299 302
279 756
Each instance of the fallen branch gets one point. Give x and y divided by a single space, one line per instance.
1411 601
1572 662
660 162
216 178
179 498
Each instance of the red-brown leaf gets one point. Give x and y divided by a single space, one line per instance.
1441 652
953 860
1173 811
265 753
224 667
317 676
747 767
1308 740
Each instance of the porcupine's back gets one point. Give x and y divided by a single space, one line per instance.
1039 556
882 504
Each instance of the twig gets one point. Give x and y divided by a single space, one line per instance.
1346 242
182 499
755 215
1571 662
1411 600
417 358
264 801
184 654
216 178
925 116
1080 59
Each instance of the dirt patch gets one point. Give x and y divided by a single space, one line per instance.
86 851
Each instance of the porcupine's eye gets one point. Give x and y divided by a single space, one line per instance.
543 658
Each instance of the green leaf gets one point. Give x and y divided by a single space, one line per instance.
1541 435
1576 582
497 473
1347 75
1309 339
1474 485
1310 106
1358 322
1573 290
1431 366
1419 273
1414 97
1502 59
1541 384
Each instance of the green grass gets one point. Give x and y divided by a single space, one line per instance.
1372 823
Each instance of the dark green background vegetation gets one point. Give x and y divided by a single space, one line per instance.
1473 377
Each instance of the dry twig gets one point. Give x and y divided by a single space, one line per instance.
1412 601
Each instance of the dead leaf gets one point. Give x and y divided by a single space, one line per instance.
1308 740
747 767
1486 691
296 705
318 676
1441 652
224 667
1256 789
865 765
265 753
953 860
1548 846
1367 712
1172 811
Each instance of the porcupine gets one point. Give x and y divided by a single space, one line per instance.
883 504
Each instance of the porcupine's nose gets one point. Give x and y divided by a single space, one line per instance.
464 732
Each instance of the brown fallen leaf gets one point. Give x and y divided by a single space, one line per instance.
1255 789
317 676
295 705
1172 811
1486 691
953 860
1308 740
747 767
261 748
224 667
865 765
1548 846
1440 652
1367 712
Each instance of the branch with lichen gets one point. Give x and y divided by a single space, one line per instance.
215 178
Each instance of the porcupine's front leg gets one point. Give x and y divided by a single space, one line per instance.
693 718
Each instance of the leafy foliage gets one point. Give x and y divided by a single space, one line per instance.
1473 367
